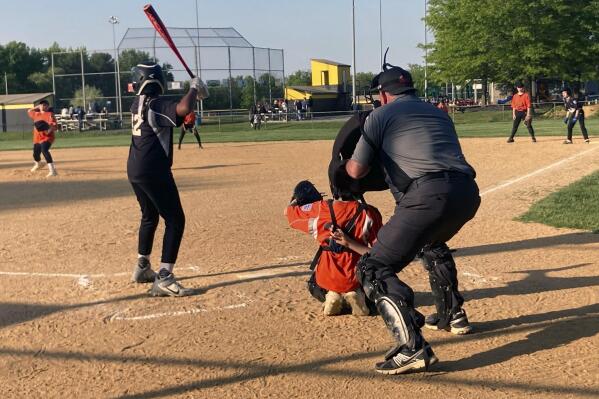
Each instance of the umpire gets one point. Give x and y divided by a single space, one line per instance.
435 194
149 172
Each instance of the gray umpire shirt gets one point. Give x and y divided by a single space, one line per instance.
414 136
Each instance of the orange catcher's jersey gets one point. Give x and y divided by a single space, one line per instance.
190 119
336 271
48 117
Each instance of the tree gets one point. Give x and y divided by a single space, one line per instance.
300 78
92 94
513 39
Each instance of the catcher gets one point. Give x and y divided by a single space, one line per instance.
344 227
190 123
44 126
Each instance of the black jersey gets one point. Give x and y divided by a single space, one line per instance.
573 104
151 151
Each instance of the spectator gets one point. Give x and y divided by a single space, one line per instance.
80 116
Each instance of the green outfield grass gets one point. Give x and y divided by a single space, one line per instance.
574 206
467 125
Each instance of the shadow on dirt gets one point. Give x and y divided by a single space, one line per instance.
551 329
533 243
534 282
39 193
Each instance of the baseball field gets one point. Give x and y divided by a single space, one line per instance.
72 325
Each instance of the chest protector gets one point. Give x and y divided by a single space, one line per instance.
343 148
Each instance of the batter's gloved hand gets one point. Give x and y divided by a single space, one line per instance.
305 193
566 120
41 126
200 86
574 120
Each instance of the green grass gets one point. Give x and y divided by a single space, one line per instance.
470 124
574 206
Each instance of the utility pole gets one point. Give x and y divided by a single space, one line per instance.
425 49
381 28
353 13
113 21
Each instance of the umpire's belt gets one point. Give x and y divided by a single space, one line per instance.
446 175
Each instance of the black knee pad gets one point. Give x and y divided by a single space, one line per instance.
366 271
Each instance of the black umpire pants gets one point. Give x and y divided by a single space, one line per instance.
432 211
520 116
583 129
160 198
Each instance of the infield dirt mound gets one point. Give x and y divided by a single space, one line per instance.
71 324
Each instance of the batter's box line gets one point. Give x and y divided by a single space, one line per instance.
118 316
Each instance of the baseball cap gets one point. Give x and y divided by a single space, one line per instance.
519 83
396 80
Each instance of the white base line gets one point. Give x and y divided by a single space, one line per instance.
536 172
74 275
170 314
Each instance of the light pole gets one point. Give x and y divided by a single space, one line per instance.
381 28
353 14
113 21
425 50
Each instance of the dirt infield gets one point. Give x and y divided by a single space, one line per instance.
71 325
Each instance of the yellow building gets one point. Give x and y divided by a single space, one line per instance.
330 87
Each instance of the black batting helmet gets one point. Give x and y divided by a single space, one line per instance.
148 78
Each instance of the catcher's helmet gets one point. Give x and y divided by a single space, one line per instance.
148 79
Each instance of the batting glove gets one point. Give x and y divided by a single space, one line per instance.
200 86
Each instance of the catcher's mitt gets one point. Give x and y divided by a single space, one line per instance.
41 126
305 193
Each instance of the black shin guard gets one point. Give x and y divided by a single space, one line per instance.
443 279
396 308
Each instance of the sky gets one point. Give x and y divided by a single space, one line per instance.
304 29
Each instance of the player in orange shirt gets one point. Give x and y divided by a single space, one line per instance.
343 220
44 126
521 109
189 123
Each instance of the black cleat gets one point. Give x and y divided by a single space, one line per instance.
401 360
458 325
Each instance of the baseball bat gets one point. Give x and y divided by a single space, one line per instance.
161 29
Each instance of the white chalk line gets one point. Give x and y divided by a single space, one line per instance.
117 316
78 276
536 172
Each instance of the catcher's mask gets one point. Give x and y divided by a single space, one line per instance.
305 193
147 78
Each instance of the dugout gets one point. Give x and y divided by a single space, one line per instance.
13 109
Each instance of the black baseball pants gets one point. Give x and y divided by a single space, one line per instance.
431 212
42 148
520 116
195 133
160 198
583 128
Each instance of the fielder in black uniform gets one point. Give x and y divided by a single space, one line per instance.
149 172
435 195
574 113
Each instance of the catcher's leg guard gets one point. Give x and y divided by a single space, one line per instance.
394 300
443 279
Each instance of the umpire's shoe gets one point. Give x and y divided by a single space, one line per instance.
400 360
166 285
458 325
143 273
